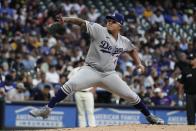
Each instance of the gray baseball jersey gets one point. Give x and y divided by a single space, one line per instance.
100 65
104 49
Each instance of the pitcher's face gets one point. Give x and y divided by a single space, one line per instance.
113 25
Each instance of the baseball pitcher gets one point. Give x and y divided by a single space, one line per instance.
99 69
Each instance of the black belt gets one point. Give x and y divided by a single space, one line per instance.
83 91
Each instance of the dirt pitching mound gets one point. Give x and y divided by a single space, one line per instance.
131 127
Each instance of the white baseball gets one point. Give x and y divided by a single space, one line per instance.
139 70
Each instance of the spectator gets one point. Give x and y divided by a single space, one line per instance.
28 62
51 41
18 94
183 45
43 81
139 9
146 95
2 90
148 13
166 88
37 79
52 76
149 81
158 17
188 17
178 97
160 99
9 83
103 96
174 17
42 94
28 82
136 86
17 63
131 16
93 14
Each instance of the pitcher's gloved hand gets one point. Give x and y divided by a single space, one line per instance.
56 28
59 18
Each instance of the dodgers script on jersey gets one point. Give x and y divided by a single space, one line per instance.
104 50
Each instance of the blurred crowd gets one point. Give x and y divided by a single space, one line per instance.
34 64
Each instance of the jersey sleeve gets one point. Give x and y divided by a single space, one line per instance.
129 46
93 29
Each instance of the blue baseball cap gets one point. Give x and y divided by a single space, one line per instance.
117 17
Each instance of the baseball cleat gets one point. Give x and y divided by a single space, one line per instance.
42 112
155 120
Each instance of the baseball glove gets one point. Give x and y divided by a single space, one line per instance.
56 28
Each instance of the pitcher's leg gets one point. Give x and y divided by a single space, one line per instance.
84 78
116 85
60 95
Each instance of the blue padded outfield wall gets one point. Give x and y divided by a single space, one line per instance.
112 116
17 116
65 115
